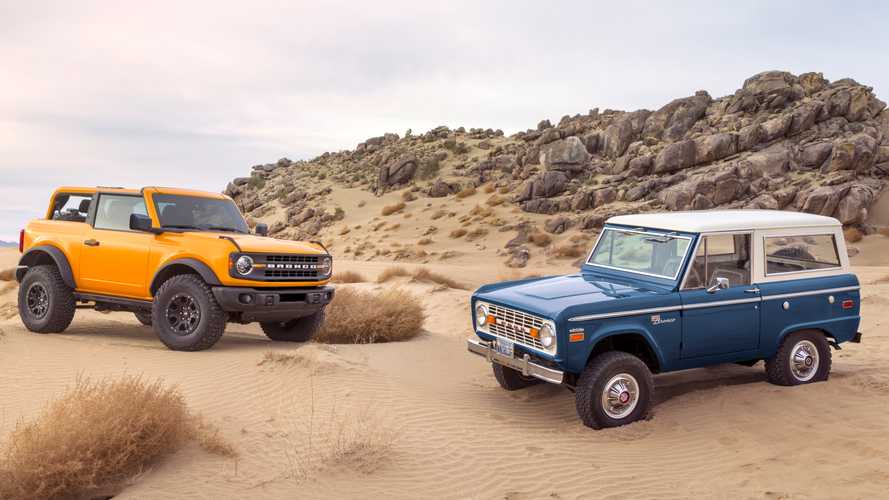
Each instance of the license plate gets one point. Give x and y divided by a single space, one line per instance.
504 347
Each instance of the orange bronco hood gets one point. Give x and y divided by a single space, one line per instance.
261 244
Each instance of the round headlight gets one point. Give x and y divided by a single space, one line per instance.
547 336
244 265
481 315
325 265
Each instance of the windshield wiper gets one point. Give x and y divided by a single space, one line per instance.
179 226
223 228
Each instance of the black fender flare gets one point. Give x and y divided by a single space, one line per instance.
195 265
61 261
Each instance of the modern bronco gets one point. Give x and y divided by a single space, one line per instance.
672 291
182 261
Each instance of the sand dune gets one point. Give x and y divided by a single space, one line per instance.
440 427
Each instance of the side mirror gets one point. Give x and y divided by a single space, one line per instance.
261 229
139 222
721 284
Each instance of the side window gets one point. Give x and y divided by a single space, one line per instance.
720 256
114 211
71 207
790 254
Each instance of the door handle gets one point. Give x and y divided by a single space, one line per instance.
752 290
91 243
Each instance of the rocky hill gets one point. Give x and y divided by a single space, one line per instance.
781 141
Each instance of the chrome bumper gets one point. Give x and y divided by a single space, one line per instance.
523 365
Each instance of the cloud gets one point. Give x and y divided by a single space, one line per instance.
194 93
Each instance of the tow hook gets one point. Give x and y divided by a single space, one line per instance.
833 343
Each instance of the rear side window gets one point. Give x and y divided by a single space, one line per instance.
71 207
114 211
793 254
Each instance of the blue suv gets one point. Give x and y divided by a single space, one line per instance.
662 292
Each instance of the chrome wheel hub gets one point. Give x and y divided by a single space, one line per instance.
183 314
804 360
38 300
620 396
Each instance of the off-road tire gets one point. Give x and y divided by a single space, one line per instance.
591 384
209 328
60 305
512 380
778 367
295 330
144 317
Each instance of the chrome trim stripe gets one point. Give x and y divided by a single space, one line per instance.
618 314
811 292
704 305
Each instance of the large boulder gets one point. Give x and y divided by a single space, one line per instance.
773 161
856 152
568 155
852 209
715 147
672 121
813 155
546 185
617 137
400 171
776 127
675 156
824 200
767 90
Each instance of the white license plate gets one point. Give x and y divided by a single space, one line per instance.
504 347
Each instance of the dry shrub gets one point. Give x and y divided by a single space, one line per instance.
852 234
476 233
884 231
392 227
481 211
7 274
365 317
392 272
348 277
345 230
96 436
439 214
393 209
540 238
466 192
458 233
424 241
568 251
496 200
424 274
489 188
408 196
207 436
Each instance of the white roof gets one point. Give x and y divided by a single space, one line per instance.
703 221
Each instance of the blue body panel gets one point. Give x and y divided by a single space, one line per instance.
681 328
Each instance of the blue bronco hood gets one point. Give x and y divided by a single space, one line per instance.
574 294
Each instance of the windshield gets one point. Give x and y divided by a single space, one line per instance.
655 254
194 212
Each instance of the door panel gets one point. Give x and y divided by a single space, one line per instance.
118 265
720 323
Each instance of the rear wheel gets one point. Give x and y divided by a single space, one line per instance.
804 357
615 389
144 317
294 330
46 303
512 380
185 314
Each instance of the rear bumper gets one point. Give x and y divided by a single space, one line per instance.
256 304
523 365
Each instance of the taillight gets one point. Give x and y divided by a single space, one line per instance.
22 241
848 304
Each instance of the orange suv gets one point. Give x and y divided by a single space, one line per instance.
183 261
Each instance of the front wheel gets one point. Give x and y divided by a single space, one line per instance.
614 389
294 330
185 314
803 358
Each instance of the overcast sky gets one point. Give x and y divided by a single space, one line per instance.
194 93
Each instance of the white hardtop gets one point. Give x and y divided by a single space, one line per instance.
707 221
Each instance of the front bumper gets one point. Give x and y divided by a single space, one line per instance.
272 305
523 364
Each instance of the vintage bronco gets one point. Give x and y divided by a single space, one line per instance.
670 291
182 261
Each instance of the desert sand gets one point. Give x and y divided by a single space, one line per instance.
431 422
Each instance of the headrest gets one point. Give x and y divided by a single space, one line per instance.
85 206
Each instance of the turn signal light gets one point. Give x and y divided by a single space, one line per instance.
491 320
535 333
848 304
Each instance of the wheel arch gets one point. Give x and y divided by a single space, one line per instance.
632 342
46 255
183 266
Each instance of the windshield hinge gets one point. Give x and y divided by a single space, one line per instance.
235 243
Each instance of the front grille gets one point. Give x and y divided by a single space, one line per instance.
515 325
291 266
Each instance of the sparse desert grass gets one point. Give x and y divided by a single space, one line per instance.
476 233
348 277
540 238
393 209
481 211
392 272
392 227
365 317
466 192
344 231
439 214
419 274
424 241
496 200
489 188
408 196
7 274
97 435
852 234
458 233
569 251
